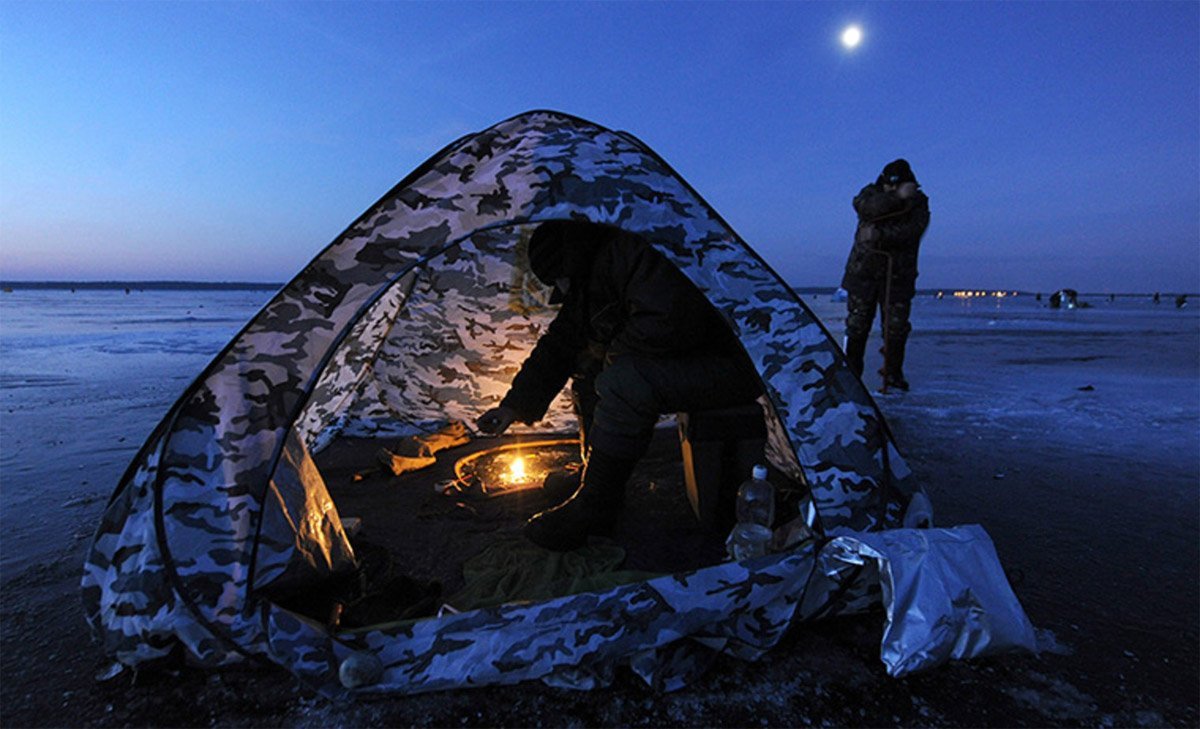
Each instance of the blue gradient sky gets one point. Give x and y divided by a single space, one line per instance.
1059 142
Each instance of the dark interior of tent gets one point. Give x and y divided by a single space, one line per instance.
435 517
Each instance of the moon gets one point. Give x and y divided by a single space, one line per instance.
852 36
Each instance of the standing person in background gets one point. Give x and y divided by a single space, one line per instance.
893 214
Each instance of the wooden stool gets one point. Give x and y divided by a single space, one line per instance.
719 449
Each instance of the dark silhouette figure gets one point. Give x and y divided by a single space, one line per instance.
637 339
881 272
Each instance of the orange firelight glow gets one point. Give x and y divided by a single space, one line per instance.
516 469
515 466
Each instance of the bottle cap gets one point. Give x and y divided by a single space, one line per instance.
759 472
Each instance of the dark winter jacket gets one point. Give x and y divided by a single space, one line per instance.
631 300
888 224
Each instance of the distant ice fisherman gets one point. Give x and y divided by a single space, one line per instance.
893 214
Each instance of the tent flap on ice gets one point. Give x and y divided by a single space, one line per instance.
419 314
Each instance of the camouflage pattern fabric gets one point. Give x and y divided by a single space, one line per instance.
667 630
406 321
459 344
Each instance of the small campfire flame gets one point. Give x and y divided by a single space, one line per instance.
516 470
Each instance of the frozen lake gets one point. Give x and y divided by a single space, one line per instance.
86 375
84 378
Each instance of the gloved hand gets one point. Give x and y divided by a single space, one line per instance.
496 420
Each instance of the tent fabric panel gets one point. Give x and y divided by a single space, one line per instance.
299 506
674 666
465 332
218 462
840 586
127 596
669 628
751 604
302 646
350 368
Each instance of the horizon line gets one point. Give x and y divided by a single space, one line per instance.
185 284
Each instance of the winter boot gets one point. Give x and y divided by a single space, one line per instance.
593 510
855 350
893 365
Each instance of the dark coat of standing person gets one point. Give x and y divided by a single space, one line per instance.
893 214
637 339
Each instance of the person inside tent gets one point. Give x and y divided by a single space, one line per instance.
893 214
638 339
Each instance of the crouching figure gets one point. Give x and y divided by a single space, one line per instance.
637 339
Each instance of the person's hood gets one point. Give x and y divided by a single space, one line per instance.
896 172
564 249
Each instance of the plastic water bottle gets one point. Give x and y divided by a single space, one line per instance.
751 536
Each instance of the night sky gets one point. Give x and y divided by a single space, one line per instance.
1059 142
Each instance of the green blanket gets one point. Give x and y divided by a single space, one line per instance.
514 570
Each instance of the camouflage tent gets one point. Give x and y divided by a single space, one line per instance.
414 317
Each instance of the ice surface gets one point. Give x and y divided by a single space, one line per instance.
85 376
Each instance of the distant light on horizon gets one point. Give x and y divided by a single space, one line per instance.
851 37
976 294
